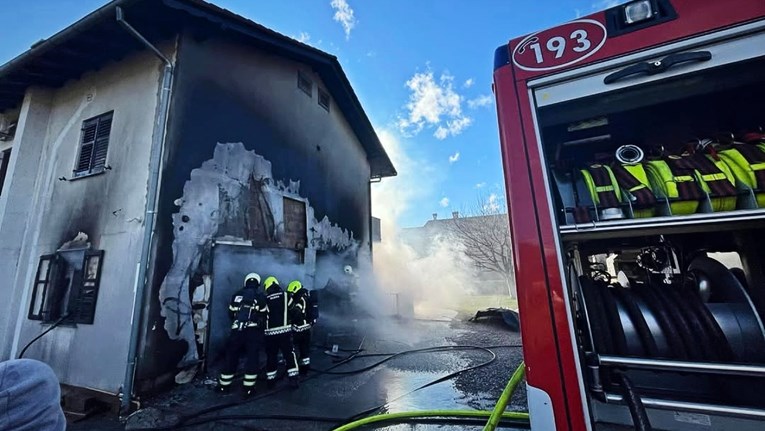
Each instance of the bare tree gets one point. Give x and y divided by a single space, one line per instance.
483 231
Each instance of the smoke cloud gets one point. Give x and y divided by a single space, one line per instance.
433 282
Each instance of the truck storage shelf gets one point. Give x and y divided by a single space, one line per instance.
730 220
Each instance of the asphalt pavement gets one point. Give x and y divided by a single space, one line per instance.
332 399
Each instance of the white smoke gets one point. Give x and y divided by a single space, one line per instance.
434 281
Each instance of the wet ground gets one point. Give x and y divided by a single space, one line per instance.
392 386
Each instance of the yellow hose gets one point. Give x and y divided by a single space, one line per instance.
494 416
428 414
499 408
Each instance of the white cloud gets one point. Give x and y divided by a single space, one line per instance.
492 204
480 185
304 37
433 103
605 4
444 202
480 101
454 157
344 15
468 83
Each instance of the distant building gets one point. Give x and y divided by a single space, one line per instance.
264 155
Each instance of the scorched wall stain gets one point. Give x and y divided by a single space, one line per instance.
233 196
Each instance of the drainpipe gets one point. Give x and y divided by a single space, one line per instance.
157 148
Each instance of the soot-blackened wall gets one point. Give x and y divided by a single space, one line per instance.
226 91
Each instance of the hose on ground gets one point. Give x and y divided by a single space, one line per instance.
507 393
188 420
637 409
438 417
449 376
519 417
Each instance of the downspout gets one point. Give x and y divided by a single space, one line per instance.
157 148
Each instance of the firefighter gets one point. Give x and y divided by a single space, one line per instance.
279 333
248 313
302 320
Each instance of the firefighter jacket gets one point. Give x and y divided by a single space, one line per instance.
247 309
278 321
298 306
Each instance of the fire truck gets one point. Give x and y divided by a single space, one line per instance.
634 156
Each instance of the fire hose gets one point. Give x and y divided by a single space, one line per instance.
497 415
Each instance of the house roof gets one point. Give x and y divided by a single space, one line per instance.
98 39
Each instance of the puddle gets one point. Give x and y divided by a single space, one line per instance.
441 396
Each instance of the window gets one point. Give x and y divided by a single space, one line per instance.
67 283
94 143
5 158
305 84
324 99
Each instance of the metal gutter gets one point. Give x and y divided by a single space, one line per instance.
157 148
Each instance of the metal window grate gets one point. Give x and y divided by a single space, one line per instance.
94 144
305 84
324 99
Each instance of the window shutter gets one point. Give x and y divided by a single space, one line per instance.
94 144
86 145
38 307
101 143
82 304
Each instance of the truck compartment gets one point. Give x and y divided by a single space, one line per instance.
658 191
681 316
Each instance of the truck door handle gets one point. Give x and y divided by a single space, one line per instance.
658 66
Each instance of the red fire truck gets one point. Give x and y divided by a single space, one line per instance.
634 156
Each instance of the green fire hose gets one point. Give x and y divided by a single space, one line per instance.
494 416
499 409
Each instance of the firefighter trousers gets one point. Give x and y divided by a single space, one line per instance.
249 341
303 348
280 343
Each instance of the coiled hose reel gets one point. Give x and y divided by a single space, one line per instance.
711 318
707 318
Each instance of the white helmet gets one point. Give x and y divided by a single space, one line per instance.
348 269
252 276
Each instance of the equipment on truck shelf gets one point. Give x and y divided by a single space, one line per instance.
634 157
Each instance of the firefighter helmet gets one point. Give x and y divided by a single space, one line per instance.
294 286
252 276
270 281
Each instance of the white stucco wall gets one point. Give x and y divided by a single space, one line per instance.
108 208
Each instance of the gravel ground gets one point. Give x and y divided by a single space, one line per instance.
344 396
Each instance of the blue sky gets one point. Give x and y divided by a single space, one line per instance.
422 70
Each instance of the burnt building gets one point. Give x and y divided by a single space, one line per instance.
153 153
